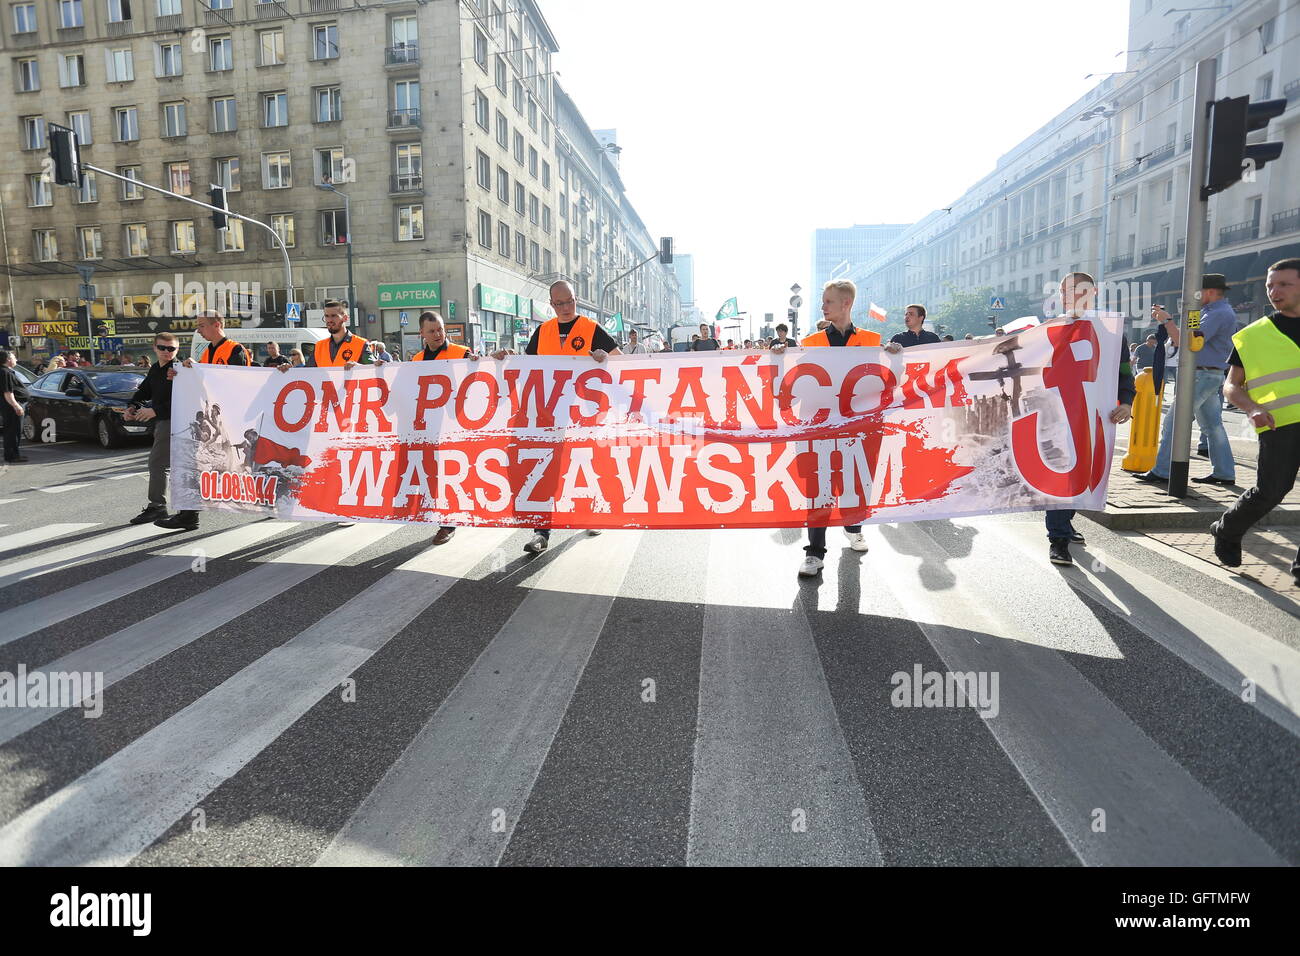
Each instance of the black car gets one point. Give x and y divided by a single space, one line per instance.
81 403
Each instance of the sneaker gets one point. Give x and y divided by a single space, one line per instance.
537 544
1076 537
1059 553
1228 552
150 513
443 535
181 521
857 541
811 567
345 524
592 532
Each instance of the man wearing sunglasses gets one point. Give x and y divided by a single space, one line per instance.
156 390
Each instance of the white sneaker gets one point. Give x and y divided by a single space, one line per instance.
592 532
345 524
857 541
811 567
536 544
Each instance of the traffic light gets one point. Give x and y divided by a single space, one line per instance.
1231 119
217 197
666 250
64 155
993 323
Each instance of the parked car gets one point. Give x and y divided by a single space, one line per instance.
81 403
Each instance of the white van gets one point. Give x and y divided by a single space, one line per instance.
255 341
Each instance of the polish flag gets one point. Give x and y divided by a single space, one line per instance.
876 312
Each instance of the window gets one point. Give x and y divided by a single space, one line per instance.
221 4
136 239
47 245
333 227
167 59
534 256
169 8
484 168
226 173
532 162
532 113
119 11
548 265
503 185
329 165
90 242
72 70
178 178
410 222
1264 86
232 237
24 18
39 192
220 55
406 101
130 190
501 73
503 239
481 109
484 230
517 96
70 14
1076 242
546 133
403 29
119 65
480 49
126 124
534 208
325 41
520 197
29 76
1169 190
282 223
182 235
546 219
521 248
174 121
275 109
276 173
270 45
329 104
546 175
88 188
223 115
33 132
519 147
503 130
1267 30
408 161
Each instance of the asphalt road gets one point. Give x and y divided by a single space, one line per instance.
299 693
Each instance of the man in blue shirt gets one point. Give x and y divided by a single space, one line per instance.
914 317
1218 324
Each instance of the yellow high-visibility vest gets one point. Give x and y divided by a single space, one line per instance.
1271 362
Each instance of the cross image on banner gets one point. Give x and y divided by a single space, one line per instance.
730 309
815 436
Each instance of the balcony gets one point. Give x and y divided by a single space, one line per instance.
322 6
123 29
1288 221
406 183
1160 155
1121 262
175 21
1241 232
404 54
1129 172
404 119
1155 253
270 11
218 18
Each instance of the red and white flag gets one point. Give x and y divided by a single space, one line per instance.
876 312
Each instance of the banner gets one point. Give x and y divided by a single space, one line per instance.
823 436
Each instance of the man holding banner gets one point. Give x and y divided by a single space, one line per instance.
438 348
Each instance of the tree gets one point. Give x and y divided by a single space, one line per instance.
967 310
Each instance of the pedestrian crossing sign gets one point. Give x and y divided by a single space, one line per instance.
997 303
293 312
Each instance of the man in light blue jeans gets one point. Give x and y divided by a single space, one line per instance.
1218 323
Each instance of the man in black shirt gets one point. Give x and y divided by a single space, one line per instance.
915 334
152 401
273 356
14 394
706 342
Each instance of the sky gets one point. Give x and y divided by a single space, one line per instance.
746 124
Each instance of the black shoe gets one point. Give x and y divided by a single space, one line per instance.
443 535
1214 480
150 513
1202 453
1076 538
1059 553
1152 478
1228 552
181 521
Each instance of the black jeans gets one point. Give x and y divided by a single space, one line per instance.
816 545
13 426
1279 460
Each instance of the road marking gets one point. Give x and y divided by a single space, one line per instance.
769 749
134 474
1094 756
125 803
480 754
24 569
33 616
9 501
60 489
43 535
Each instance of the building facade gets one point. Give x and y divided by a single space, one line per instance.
836 253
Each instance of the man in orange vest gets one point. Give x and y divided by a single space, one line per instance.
342 348
837 308
567 334
438 348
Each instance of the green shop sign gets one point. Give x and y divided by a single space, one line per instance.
494 300
525 308
413 295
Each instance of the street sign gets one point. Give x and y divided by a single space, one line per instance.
997 303
293 312
796 302
451 308
370 316
86 291
85 270
403 319
33 328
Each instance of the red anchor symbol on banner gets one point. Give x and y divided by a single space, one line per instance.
1067 374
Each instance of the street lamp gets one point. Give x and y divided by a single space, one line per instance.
600 205
352 289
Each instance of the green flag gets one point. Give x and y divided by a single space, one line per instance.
730 309
614 324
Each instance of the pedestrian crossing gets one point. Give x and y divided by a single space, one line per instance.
345 696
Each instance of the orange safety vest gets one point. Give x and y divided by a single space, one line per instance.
349 351
859 337
450 351
218 356
578 341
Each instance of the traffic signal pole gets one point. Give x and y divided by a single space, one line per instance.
1193 266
